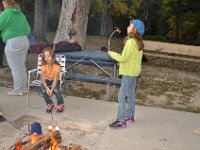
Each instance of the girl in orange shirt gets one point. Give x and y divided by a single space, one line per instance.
50 71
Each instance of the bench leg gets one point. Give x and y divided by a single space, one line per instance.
108 93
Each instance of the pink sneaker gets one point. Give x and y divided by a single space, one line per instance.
117 125
60 108
49 108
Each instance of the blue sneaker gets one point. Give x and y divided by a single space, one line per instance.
117 125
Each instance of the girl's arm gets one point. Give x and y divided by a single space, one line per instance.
44 83
130 44
55 81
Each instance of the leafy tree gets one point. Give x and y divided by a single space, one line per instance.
183 20
112 9
152 14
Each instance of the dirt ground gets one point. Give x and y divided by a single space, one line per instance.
163 83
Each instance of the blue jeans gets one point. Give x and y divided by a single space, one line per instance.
16 51
56 92
126 92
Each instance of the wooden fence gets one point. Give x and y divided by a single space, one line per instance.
172 51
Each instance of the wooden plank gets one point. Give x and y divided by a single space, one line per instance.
173 57
181 49
91 78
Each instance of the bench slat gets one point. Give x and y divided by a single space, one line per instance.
90 78
87 62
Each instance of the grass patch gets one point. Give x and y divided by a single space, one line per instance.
85 93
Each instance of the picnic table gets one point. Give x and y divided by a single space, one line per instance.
94 58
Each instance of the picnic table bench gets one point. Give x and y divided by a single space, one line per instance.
94 58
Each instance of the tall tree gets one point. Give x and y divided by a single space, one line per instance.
106 20
53 14
111 9
40 19
152 14
73 21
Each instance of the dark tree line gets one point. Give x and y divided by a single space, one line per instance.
165 20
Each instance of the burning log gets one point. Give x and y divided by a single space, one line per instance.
41 142
50 141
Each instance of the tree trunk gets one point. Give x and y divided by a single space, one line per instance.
106 22
40 19
177 21
73 21
58 6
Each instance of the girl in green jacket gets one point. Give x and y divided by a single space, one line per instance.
130 62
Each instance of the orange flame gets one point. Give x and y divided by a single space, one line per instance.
18 145
55 140
33 138
54 144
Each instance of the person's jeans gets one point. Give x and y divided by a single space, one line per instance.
126 91
16 51
56 92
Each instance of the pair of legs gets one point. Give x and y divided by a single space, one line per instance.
16 52
126 93
126 99
57 92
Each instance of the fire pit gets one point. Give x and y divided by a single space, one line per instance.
50 141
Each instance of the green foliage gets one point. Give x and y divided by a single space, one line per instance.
183 19
117 8
173 20
53 17
96 7
27 7
156 38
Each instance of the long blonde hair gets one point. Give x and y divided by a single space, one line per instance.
12 4
134 34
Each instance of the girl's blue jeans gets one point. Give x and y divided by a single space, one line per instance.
126 92
56 92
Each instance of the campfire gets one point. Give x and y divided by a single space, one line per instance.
50 141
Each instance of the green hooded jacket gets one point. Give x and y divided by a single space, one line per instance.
13 23
130 60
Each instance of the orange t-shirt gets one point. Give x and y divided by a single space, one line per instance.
51 71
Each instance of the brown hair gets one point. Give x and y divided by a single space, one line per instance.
52 53
137 36
12 3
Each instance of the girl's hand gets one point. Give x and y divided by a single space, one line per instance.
109 52
51 92
48 91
